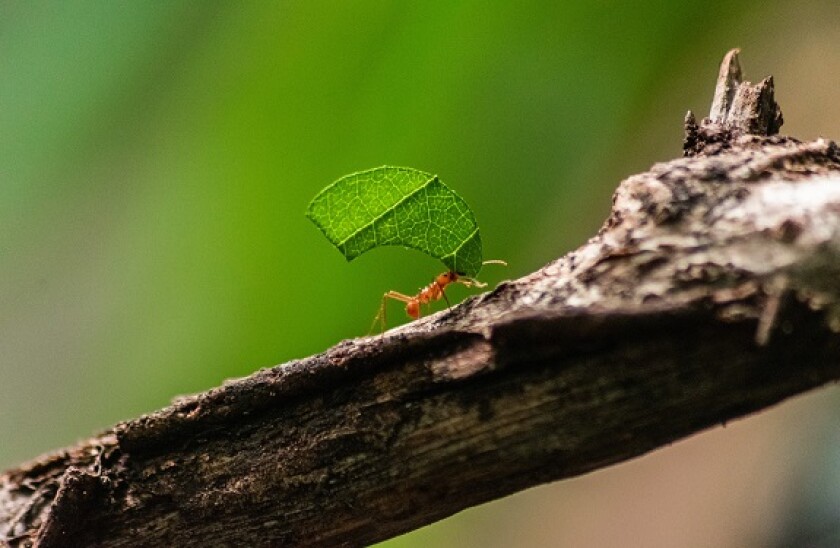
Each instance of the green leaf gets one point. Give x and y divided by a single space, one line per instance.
399 206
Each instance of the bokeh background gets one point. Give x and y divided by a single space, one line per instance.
156 159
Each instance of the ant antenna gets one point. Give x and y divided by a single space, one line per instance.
472 282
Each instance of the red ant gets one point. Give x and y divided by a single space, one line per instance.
432 292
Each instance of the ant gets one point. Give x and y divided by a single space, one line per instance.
432 292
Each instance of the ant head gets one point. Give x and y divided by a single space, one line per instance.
447 277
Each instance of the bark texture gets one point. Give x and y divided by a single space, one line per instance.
711 291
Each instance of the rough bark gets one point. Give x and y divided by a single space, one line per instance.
710 292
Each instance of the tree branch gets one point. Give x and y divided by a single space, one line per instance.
712 291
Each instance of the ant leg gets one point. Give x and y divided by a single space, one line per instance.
380 318
445 298
381 315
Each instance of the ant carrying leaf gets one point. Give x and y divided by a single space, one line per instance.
401 206
432 292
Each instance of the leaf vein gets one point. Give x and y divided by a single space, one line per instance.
388 210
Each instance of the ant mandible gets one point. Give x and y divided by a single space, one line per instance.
432 292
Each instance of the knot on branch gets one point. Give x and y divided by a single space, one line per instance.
739 108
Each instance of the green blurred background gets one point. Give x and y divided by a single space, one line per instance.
156 159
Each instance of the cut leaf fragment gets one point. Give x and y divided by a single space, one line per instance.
388 206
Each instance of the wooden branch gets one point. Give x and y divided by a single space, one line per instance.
711 291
